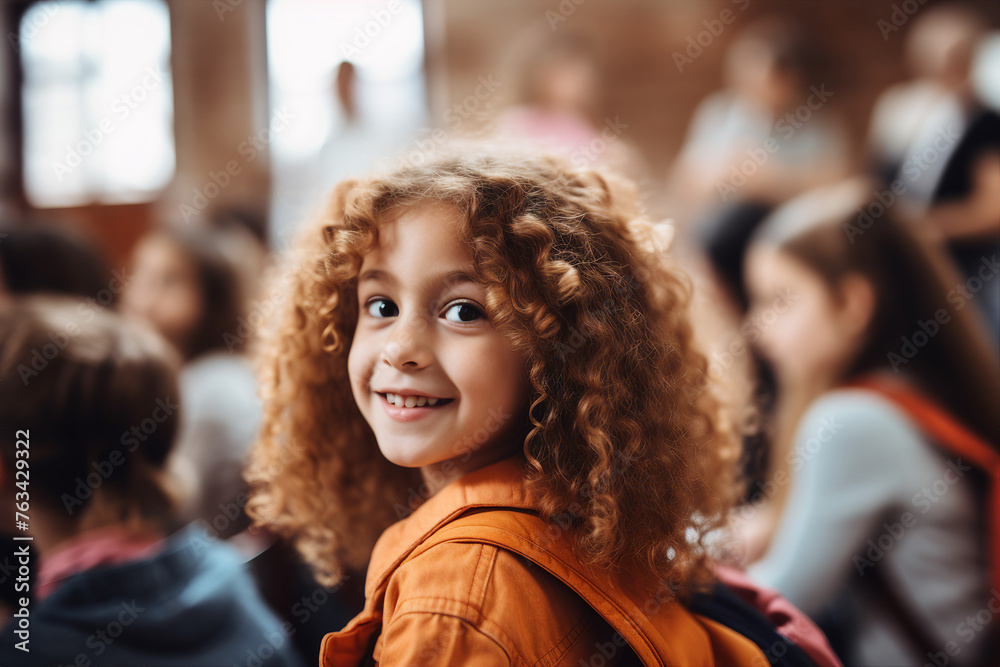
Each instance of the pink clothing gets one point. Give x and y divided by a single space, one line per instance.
110 545
788 620
561 131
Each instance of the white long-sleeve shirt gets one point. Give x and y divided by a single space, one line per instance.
874 492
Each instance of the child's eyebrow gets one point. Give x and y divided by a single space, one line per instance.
450 278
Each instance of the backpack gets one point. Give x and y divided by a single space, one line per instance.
727 610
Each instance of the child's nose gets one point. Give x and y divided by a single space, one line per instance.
407 344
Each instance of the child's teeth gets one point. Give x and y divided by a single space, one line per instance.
410 401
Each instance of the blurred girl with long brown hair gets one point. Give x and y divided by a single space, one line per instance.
890 390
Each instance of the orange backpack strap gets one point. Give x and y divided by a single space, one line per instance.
955 439
664 633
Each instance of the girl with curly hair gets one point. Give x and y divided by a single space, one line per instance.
485 365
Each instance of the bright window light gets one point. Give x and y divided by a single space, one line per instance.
98 101
307 40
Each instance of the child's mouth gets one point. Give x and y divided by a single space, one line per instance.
398 412
411 402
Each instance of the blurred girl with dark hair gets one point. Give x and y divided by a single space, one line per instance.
95 426
38 257
192 285
891 387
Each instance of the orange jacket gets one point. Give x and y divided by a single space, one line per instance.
444 590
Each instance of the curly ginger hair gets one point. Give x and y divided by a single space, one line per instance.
578 279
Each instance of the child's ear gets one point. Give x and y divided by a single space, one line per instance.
857 303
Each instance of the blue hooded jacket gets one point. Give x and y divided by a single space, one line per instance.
191 604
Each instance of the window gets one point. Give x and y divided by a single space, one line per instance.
343 121
307 40
98 101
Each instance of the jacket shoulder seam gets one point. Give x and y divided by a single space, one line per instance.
481 578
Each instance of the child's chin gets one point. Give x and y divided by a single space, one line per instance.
404 458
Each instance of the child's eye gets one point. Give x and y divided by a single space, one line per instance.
462 312
382 308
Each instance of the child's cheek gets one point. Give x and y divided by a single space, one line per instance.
355 370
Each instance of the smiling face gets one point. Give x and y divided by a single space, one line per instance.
422 332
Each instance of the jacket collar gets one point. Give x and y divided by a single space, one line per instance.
498 484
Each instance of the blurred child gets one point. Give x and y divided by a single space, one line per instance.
558 106
768 136
188 284
885 519
90 414
36 258
487 361
936 145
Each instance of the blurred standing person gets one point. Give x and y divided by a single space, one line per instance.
895 388
356 143
936 146
763 139
189 285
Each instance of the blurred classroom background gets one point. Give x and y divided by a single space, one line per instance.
203 84
155 155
